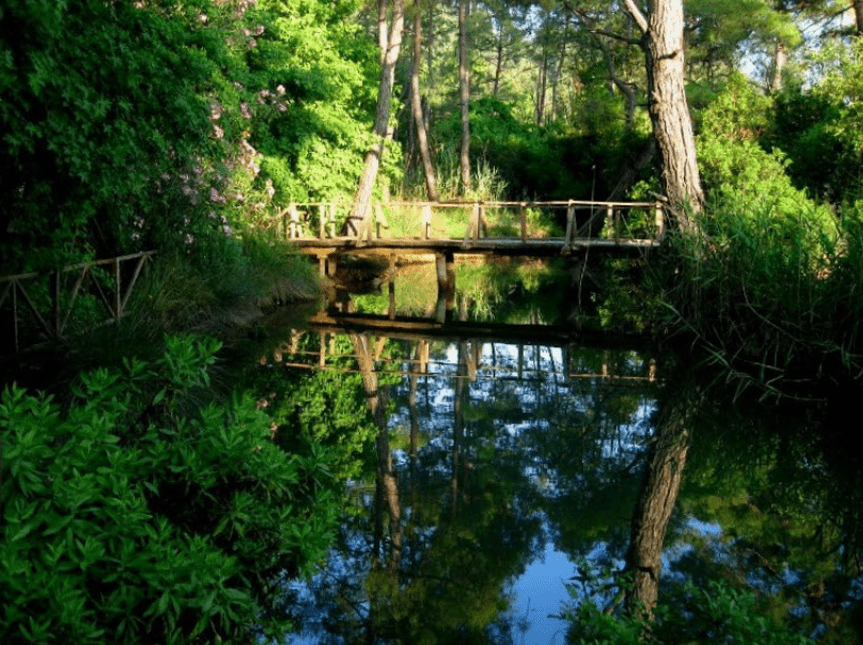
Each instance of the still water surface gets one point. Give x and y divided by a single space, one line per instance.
512 473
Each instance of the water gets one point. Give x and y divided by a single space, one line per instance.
511 477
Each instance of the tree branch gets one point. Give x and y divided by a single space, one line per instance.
611 34
637 15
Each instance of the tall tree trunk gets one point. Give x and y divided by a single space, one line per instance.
498 66
464 94
779 61
387 482
417 109
390 41
669 111
541 81
858 16
653 509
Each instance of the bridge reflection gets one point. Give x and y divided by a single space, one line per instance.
487 351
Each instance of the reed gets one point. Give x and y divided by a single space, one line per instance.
775 298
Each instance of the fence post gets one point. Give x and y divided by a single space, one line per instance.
426 221
660 221
294 227
522 210
570 226
321 222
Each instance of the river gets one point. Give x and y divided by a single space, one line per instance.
523 469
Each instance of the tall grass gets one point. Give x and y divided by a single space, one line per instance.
486 182
774 297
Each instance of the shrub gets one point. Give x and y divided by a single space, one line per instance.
147 511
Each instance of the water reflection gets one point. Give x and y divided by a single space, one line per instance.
452 538
521 470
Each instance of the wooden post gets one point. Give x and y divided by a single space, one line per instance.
570 227
331 219
472 232
611 221
294 229
380 220
522 211
440 269
134 280
322 350
426 221
321 221
660 221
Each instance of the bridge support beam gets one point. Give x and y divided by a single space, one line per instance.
327 264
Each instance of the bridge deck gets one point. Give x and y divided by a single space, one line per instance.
492 245
489 227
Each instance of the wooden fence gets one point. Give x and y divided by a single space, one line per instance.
41 304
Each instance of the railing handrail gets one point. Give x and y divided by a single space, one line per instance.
79 265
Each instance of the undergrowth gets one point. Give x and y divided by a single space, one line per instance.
774 298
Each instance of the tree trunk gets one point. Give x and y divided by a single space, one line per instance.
464 94
498 66
387 483
779 61
669 111
390 47
541 80
858 16
653 510
417 109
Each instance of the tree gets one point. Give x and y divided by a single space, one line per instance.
416 107
664 50
464 97
390 41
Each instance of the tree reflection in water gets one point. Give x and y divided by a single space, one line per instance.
492 454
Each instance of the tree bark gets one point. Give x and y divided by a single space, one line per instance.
387 482
779 61
858 16
653 510
498 65
390 48
541 82
417 109
464 94
669 111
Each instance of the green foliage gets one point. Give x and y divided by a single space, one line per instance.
309 85
818 127
100 103
716 613
146 510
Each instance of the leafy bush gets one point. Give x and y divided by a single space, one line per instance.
147 511
741 177
719 613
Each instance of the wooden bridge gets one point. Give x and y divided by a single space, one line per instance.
445 229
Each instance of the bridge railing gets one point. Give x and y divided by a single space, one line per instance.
472 220
39 306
